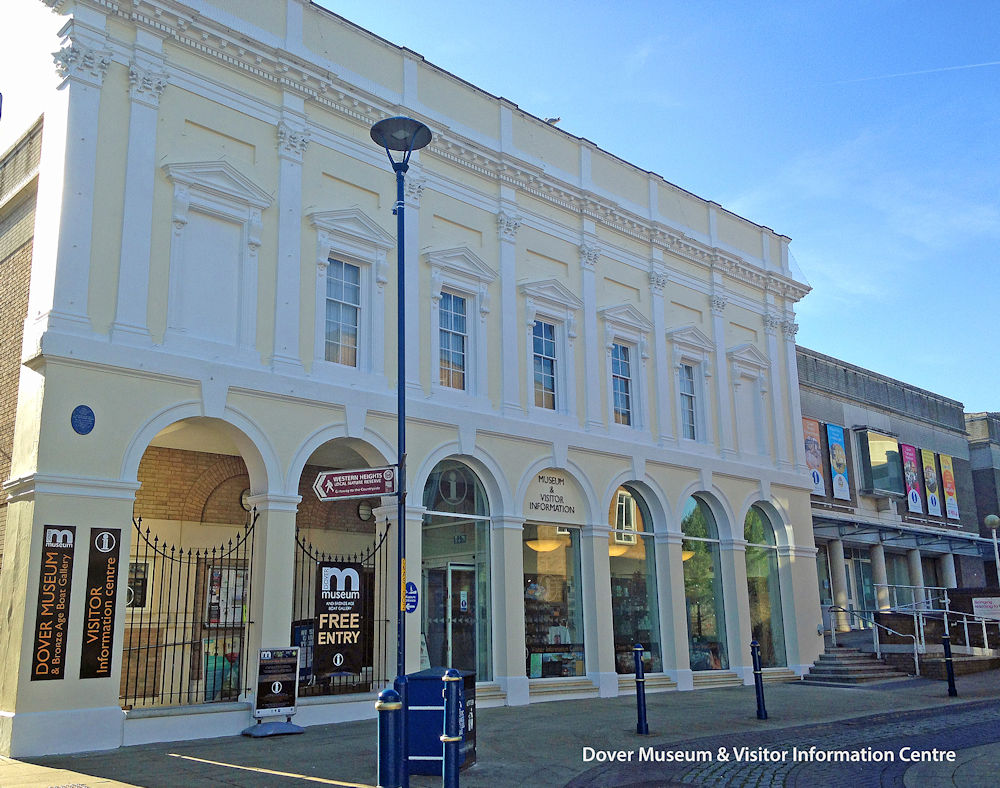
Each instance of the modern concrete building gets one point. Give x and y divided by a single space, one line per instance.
893 508
604 444
984 458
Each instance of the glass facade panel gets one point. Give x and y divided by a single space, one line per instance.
553 605
882 466
703 588
766 623
635 616
456 609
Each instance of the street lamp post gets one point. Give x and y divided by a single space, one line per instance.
404 135
992 522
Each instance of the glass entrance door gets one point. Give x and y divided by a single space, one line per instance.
461 625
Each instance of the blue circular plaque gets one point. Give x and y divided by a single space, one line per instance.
82 419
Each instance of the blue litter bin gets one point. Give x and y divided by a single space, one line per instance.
425 720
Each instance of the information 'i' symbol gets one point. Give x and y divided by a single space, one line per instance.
276 688
338 660
105 541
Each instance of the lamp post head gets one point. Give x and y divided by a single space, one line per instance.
992 522
400 134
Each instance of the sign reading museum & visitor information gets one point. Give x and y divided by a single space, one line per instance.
553 498
99 609
339 621
48 653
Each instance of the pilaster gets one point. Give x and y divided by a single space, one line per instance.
723 393
508 223
589 253
599 649
661 387
415 354
507 578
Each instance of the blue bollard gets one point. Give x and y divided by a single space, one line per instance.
401 685
452 735
641 726
758 679
949 666
390 713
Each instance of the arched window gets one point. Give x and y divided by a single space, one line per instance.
762 584
706 615
635 613
456 609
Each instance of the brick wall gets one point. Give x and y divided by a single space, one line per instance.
16 231
205 487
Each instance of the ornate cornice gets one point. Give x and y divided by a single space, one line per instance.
277 67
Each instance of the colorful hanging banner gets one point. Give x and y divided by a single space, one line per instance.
814 456
55 581
948 485
931 483
911 475
838 462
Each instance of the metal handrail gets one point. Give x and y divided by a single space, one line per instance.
877 625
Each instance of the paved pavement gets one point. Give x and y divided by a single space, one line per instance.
544 745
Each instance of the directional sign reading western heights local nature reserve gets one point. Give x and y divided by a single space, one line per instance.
360 483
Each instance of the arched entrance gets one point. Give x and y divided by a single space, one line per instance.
189 577
334 540
457 621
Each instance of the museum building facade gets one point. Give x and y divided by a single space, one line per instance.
604 431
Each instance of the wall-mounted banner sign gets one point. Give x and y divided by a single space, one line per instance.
838 462
911 475
48 655
360 483
99 609
814 455
552 497
948 485
277 682
986 606
931 484
339 621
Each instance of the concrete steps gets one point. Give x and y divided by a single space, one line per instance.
561 689
710 679
656 682
849 666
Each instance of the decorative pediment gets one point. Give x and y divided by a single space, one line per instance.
352 225
551 293
220 179
748 355
690 338
626 316
461 263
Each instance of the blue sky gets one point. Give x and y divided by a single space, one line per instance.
866 131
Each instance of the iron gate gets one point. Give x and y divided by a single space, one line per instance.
374 608
187 620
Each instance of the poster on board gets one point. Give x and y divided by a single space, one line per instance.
55 580
98 647
931 484
948 486
911 476
814 456
340 619
838 462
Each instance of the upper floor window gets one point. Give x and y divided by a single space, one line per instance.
453 336
544 344
621 383
689 403
343 308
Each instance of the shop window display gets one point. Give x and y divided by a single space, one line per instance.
766 623
703 588
553 607
635 616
